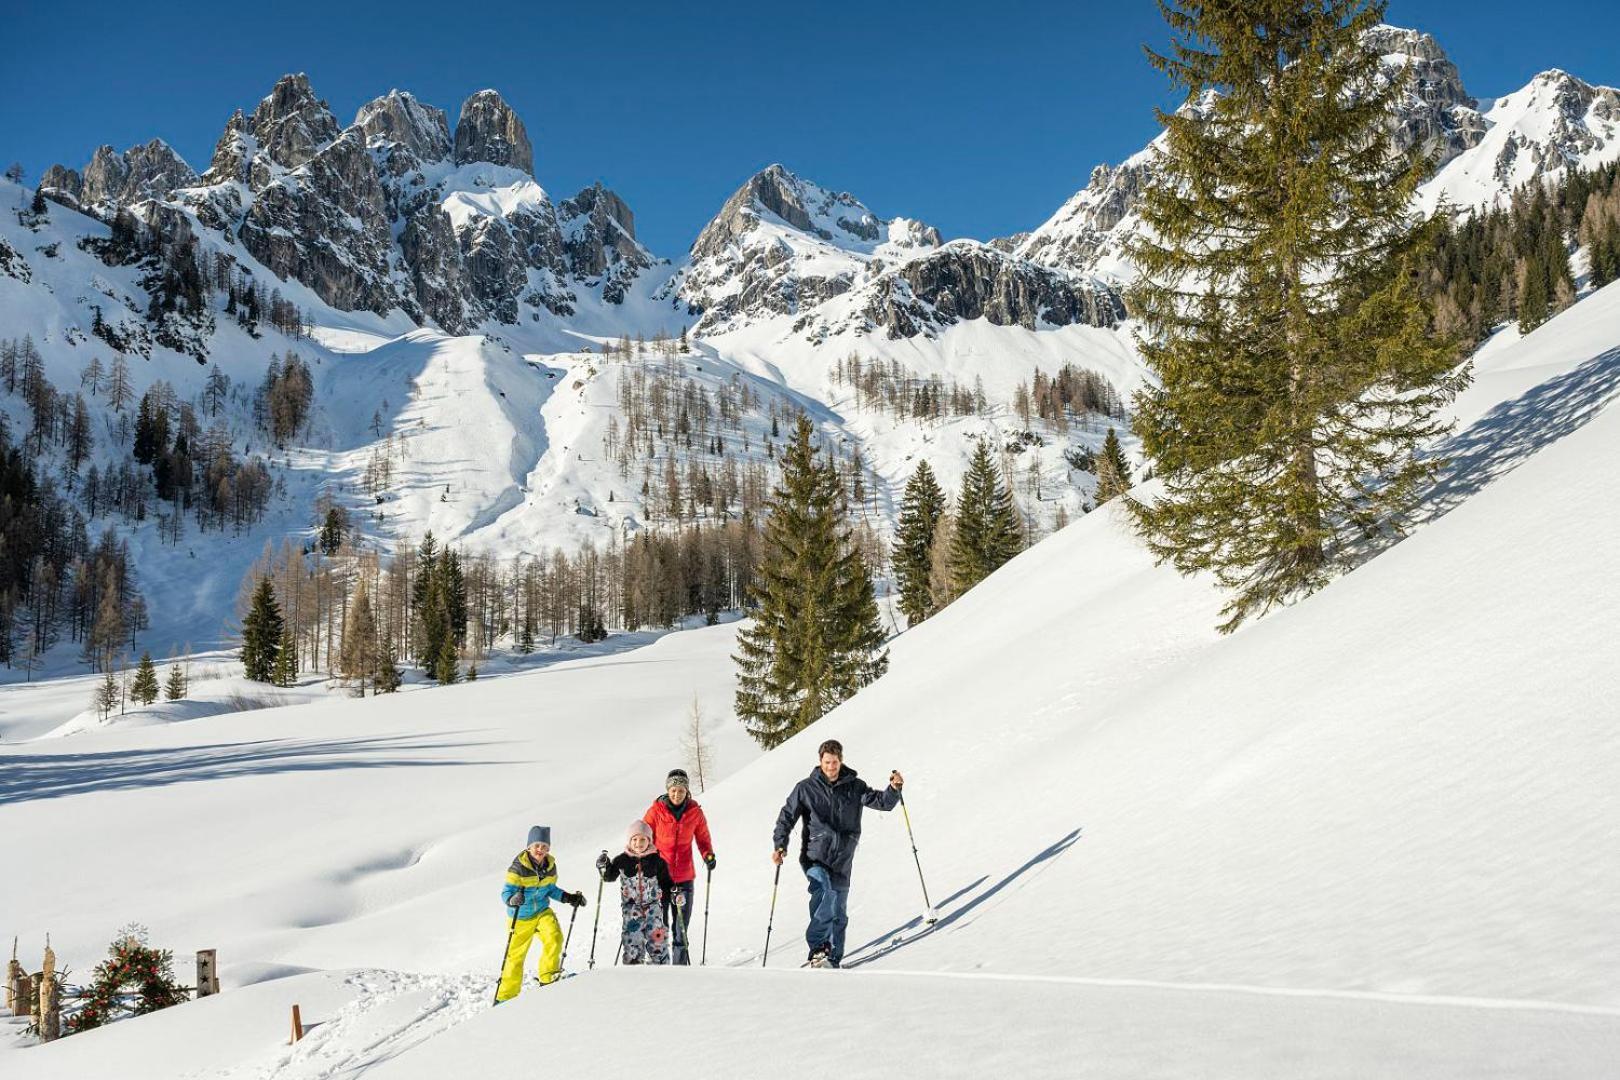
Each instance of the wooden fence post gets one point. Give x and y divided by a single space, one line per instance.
207 973
49 1016
25 996
14 978
297 1026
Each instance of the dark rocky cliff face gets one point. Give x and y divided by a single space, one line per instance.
967 280
490 131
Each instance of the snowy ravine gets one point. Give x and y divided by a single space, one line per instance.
1369 835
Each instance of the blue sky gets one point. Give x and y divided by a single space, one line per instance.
980 118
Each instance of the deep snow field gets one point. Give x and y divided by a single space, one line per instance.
1373 834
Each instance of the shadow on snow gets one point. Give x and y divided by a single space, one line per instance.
885 944
32 777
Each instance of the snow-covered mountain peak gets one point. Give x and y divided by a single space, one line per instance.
778 202
398 118
1551 124
782 244
1482 150
150 170
489 130
291 124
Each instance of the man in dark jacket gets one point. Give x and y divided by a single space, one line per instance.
830 801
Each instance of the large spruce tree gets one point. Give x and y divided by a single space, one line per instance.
920 511
261 633
987 531
1297 372
815 638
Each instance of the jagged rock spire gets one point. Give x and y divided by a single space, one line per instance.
489 130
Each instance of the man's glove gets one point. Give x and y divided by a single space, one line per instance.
708 860
602 863
574 899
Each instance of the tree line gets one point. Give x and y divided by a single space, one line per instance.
1512 263
363 616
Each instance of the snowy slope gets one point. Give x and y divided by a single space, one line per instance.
1371 834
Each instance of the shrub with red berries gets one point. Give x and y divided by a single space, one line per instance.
134 979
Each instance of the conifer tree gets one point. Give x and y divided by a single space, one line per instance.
261 633
108 694
815 638
987 531
920 511
1113 470
334 526
1535 302
144 690
175 688
444 664
285 671
1297 372
358 656
388 673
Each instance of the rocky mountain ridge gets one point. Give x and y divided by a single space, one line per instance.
1482 151
784 246
393 211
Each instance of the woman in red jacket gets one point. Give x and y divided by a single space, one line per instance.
677 821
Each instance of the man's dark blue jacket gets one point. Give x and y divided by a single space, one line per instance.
832 819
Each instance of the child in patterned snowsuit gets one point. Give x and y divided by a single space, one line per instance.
644 881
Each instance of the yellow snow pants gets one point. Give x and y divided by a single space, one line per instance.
545 927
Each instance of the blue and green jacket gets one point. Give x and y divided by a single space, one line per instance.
537 884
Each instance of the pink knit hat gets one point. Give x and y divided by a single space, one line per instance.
638 828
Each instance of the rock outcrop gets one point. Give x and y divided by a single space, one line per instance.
488 130
325 224
292 124
398 119
969 280
113 180
62 184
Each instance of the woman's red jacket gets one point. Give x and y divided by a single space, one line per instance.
673 835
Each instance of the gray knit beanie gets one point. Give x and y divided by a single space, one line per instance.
539 834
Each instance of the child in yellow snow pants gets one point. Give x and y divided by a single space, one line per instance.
531 885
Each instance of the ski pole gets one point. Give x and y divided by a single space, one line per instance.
765 959
597 919
929 917
511 931
708 883
563 962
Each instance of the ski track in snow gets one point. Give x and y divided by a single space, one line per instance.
393 1012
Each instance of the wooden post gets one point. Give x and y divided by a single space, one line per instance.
14 978
207 973
25 996
297 1026
49 1015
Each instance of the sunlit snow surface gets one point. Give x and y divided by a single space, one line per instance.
1369 835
